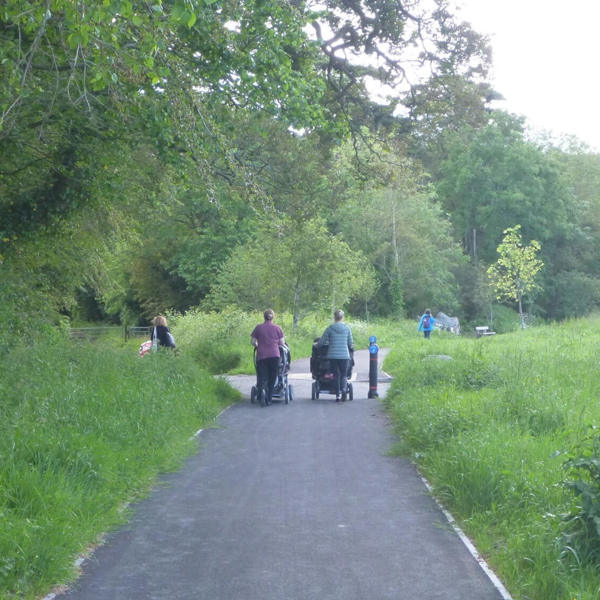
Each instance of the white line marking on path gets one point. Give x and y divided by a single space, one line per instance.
470 547
201 430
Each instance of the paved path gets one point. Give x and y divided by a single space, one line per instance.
296 502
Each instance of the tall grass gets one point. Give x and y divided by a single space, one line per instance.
491 422
84 429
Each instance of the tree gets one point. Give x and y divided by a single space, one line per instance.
395 44
572 280
444 104
88 88
75 76
390 214
295 267
513 275
493 177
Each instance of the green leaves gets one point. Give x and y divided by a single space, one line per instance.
78 38
493 177
583 522
182 13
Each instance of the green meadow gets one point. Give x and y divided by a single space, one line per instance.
505 429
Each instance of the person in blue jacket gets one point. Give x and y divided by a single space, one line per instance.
338 339
427 323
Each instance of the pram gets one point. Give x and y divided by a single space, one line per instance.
324 378
282 390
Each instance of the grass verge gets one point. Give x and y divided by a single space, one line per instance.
491 423
85 429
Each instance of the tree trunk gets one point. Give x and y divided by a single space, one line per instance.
296 309
521 317
395 240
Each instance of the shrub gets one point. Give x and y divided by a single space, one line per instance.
582 523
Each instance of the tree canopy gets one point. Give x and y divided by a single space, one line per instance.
149 151
299 267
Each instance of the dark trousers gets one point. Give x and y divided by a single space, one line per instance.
267 374
339 366
427 333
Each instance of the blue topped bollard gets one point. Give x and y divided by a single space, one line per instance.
373 353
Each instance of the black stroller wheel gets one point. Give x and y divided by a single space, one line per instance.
253 394
291 392
350 392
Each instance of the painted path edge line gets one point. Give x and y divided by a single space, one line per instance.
469 545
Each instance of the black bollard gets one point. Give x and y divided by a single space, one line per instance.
373 352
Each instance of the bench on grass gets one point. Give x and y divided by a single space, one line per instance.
483 330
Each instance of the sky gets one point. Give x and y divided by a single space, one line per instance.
545 61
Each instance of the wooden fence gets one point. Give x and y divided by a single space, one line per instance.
93 333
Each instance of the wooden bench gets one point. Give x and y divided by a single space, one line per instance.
483 330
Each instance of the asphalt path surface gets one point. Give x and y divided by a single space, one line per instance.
289 502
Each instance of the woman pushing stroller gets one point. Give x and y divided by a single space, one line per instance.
338 339
267 337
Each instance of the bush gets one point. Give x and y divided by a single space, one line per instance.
582 531
504 319
220 341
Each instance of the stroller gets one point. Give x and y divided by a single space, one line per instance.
282 390
324 378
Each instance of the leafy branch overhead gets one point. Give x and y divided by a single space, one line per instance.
258 54
79 75
118 49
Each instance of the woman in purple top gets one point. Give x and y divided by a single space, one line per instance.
267 337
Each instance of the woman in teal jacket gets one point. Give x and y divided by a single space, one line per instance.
338 339
427 323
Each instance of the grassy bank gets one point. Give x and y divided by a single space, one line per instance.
492 422
84 429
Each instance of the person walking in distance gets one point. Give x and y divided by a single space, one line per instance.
338 339
266 338
427 323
